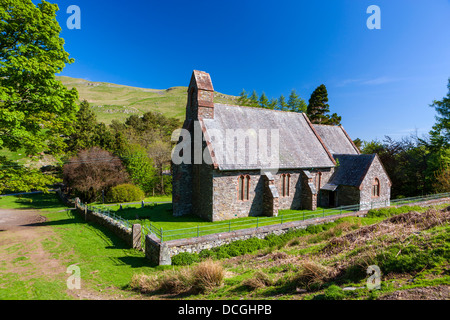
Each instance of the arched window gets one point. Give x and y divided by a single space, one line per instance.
285 184
243 187
376 188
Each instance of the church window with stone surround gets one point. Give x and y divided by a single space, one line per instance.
376 188
243 187
285 183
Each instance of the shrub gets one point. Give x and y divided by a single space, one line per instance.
392 211
207 275
258 280
185 258
311 276
125 193
87 176
334 292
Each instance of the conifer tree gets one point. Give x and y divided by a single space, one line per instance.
318 108
263 101
295 103
243 99
254 100
282 104
272 104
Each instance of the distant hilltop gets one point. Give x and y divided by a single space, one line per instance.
113 101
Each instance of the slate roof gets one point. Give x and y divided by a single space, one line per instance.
336 139
299 144
351 170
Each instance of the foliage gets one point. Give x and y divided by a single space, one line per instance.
407 163
18 178
295 103
92 171
318 108
392 211
241 247
125 193
333 292
36 109
140 167
440 133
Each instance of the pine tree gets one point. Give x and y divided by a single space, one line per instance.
282 104
295 103
243 99
318 108
254 100
273 104
263 101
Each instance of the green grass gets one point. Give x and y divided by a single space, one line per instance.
160 216
111 101
106 262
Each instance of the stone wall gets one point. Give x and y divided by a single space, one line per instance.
161 253
132 236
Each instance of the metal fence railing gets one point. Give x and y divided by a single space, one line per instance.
107 213
256 222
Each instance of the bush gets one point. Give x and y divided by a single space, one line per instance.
334 292
392 211
185 258
125 193
207 275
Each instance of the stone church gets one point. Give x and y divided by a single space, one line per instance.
243 161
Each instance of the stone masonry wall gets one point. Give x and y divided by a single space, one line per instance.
375 171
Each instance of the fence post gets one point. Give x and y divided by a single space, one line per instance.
162 234
229 225
281 218
136 236
257 220
198 231
323 213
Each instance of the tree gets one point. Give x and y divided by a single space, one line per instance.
263 101
254 100
243 99
440 133
93 171
160 152
273 103
140 167
36 110
282 104
318 108
295 103
17 178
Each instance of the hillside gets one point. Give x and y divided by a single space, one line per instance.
112 101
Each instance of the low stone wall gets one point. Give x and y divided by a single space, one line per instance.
161 253
132 236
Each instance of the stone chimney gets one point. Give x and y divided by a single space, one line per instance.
200 104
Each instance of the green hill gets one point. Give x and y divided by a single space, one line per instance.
112 101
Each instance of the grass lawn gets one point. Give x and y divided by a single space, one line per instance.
160 217
105 261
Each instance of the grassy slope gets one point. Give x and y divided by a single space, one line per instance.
112 101
107 266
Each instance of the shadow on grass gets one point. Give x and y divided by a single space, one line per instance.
156 213
32 201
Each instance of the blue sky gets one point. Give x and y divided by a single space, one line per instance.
380 81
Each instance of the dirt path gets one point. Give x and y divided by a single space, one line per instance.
22 234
